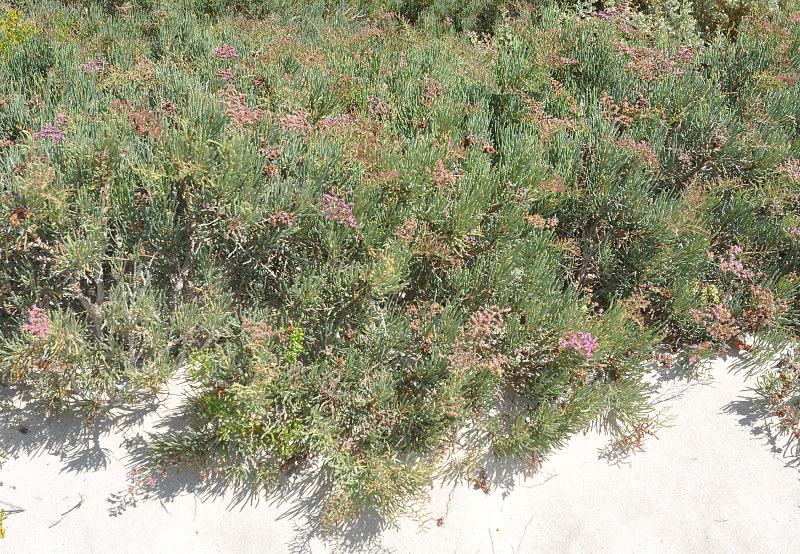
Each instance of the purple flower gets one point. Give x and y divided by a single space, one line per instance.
793 231
733 265
139 480
225 74
619 16
717 320
697 351
56 135
790 168
336 121
38 323
225 51
95 66
334 207
53 132
583 343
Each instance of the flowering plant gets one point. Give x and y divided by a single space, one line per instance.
38 323
362 238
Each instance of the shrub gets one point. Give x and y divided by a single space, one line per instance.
368 244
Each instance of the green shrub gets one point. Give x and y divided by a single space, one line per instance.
378 233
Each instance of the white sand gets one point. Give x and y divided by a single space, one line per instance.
716 481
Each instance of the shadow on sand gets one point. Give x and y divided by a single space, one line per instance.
299 495
26 432
757 414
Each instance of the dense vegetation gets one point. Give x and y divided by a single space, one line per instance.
375 234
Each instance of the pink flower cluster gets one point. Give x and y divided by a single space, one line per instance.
642 149
651 64
95 66
732 264
379 107
619 17
226 74
335 121
583 343
53 132
224 52
718 321
297 121
334 207
790 168
138 481
38 323
474 348
239 112
698 351
793 231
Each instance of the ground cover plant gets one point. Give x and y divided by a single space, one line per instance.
391 239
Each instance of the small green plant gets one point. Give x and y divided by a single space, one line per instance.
14 29
3 517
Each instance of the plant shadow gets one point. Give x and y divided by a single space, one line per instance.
755 414
755 411
28 431
300 494
82 447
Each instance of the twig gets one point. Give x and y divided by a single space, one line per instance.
98 281
94 311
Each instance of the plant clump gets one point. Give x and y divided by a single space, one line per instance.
393 245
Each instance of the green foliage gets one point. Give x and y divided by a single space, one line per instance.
375 233
14 29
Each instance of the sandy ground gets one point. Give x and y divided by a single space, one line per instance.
715 481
